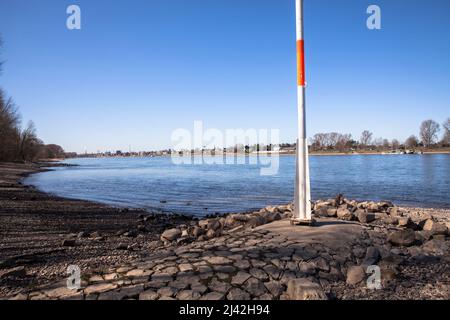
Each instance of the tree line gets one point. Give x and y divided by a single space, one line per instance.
428 138
17 143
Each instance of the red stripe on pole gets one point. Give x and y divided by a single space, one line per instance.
301 63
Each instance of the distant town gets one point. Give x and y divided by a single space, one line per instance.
428 141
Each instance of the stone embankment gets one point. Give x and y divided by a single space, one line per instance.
261 256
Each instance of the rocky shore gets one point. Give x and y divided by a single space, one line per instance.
257 255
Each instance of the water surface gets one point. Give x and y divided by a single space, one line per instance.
158 183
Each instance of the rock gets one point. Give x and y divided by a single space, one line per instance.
238 294
148 295
255 287
307 268
344 214
434 227
69 243
355 275
394 211
188 295
304 289
259 274
218 260
255 221
332 212
321 264
402 238
210 234
240 278
213 296
274 287
216 285
214 225
373 207
322 204
171 235
197 232
436 247
406 222
99 288
365 217
372 257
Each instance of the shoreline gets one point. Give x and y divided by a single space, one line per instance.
39 228
43 234
381 153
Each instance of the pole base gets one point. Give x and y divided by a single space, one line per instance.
300 222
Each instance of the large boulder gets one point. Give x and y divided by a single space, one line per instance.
344 214
255 221
404 238
304 289
406 222
171 235
364 217
434 227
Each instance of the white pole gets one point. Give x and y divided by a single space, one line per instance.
302 197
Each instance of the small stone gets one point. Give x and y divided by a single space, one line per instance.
148 295
355 275
304 289
372 257
184 267
240 278
99 288
259 274
402 238
218 260
213 296
188 295
255 287
216 285
274 287
238 294
307 268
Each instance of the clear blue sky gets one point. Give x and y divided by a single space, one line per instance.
140 69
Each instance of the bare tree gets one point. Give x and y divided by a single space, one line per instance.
446 125
9 128
30 145
395 144
366 138
412 142
428 132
